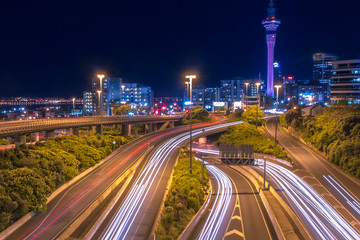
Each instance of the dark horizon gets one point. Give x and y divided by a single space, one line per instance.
54 51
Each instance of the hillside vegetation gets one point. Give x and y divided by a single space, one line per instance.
29 174
335 132
247 133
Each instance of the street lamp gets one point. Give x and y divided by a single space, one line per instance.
99 92
277 102
73 100
246 91
101 76
258 97
190 77
187 89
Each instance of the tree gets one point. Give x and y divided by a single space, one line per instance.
123 109
30 187
143 110
253 115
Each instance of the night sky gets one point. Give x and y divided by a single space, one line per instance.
53 48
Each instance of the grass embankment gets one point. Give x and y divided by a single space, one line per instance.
246 133
184 198
29 174
336 132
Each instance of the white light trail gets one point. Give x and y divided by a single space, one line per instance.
124 219
314 210
345 194
221 204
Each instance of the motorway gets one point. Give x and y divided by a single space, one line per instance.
68 205
133 217
336 187
241 213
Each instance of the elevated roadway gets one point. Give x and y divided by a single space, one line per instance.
12 128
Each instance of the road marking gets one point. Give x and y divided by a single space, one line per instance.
236 232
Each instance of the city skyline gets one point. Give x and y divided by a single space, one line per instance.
52 50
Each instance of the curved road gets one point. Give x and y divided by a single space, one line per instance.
134 216
68 205
337 187
245 216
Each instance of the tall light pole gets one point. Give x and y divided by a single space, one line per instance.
258 97
73 100
187 89
99 94
123 92
190 77
101 76
277 102
246 91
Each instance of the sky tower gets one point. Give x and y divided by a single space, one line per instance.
270 24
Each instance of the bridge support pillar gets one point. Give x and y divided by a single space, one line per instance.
19 140
116 129
36 136
148 127
75 131
49 135
99 129
136 132
155 127
125 130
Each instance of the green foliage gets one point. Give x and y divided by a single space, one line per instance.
236 116
184 199
123 109
253 115
246 133
198 115
29 174
4 142
336 132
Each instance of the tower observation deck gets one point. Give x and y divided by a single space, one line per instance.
270 24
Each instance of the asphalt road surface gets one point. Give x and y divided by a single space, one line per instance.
337 187
68 205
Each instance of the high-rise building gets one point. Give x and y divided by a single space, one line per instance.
345 81
88 103
198 96
270 24
211 95
115 93
322 69
231 90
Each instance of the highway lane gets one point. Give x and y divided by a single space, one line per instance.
319 217
134 216
338 188
67 206
243 217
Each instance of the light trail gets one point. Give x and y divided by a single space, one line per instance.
314 211
222 202
353 203
123 221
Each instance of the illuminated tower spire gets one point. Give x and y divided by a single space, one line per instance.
270 24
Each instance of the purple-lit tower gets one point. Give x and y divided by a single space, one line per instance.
270 24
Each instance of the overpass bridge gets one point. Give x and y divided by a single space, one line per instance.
19 129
